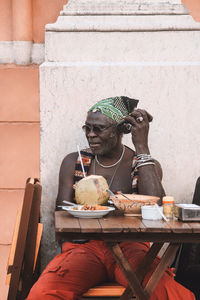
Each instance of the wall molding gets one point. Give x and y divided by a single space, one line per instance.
21 52
123 23
121 7
6 52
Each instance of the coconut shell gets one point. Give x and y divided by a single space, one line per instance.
92 190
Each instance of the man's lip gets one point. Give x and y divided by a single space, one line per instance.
94 145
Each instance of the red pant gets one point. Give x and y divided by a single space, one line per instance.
81 266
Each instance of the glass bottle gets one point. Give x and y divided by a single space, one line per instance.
168 206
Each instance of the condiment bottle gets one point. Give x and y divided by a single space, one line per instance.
168 206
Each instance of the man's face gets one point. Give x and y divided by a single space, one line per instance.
101 133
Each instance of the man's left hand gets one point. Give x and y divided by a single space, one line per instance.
140 129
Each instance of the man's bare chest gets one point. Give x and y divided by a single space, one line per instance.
118 177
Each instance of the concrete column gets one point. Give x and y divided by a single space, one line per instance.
144 49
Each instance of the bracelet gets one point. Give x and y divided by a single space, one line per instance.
144 159
143 156
145 164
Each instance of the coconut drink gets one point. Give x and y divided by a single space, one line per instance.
92 189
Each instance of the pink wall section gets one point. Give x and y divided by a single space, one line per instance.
44 12
23 82
24 20
4 252
20 20
10 201
194 8
19 153
20 146
5 20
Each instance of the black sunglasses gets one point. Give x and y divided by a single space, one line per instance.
97 129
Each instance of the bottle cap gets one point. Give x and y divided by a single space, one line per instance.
168 199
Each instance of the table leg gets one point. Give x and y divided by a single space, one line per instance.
148 260
130 275
161 267
144 267
134 279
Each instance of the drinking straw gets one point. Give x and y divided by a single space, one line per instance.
124 195
79 152
68 202
160 212
111 193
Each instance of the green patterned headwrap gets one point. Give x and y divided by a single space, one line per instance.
116 107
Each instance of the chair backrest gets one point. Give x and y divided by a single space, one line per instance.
25 243
196 196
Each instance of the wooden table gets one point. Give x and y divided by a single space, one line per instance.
115 229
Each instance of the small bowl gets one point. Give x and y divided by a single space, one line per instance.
150 212
132 205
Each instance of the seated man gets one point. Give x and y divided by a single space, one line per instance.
83 264
188 270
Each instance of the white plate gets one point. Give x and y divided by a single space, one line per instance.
89 214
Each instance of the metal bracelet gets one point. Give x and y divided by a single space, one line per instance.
145 164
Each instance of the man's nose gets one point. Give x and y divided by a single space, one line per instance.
91 133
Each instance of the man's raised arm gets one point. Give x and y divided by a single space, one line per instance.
150 172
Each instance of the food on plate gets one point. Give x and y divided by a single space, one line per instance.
91 207
91 190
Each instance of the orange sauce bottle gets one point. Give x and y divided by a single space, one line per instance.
168 206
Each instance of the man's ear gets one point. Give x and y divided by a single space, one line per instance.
124 127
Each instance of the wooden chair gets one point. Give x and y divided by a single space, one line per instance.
115 290
105 290
25 244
